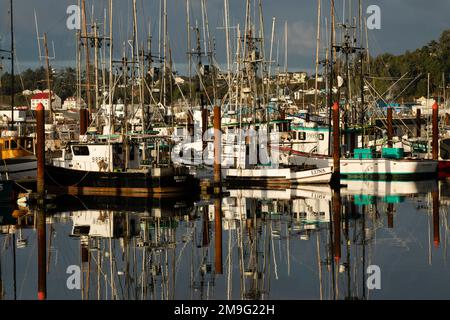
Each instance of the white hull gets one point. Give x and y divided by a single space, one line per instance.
319 176
373 168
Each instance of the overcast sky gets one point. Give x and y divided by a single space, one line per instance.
405 25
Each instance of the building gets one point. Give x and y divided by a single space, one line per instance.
71 103
43 98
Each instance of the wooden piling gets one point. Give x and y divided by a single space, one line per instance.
435 143
418 123
83 121
336 141
40 148
390 130
218 235
217 149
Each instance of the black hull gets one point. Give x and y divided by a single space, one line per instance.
117 183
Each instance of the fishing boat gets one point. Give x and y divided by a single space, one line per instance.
18 162
309 146
101 168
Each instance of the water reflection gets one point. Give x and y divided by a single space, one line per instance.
307 243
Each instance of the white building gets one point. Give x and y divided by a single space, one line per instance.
71 103
43 98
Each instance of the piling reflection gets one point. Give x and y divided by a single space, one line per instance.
309 243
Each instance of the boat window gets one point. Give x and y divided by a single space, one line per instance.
7 145
321 136
80 150
302 135
13 144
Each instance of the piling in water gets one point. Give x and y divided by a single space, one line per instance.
40 148
390 130
217 149
84 118
435 145
336 141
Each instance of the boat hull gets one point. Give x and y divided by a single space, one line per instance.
284 178
128 184
18 169
388 169
375 169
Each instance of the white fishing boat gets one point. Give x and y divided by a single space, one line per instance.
282 176
308 149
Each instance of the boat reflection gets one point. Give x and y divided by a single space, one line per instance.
306 243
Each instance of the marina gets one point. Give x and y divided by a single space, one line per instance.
179 154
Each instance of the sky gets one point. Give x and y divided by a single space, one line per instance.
405 25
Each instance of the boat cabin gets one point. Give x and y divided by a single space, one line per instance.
16 147
98 157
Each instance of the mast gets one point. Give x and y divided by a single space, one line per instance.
227 35
165 56
188 28
286 54
110 86
317 52
12 62
86 47
331 75
96 45
49 86
270 56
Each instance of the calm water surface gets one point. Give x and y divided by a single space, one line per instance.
308 243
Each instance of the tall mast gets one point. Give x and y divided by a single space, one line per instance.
110 85
262 53
227 35
165 55
317 52
96 45
49 85
12 62
188 28
270 56
78 38
86 47
331 75
286 54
